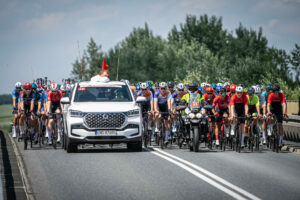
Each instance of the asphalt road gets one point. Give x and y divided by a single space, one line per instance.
155 174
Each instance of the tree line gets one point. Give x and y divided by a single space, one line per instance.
200 50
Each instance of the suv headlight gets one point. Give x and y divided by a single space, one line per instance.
133 113
76 113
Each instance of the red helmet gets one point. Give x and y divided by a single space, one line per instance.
232 88
227 88
209 90
54 87
27 86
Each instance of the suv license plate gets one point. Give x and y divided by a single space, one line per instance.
105 132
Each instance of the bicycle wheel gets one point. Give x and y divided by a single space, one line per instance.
40 136
54 135
25 136
145 133
162 135
251 138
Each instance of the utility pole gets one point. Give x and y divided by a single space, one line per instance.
81 71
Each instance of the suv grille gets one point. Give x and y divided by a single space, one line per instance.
104 120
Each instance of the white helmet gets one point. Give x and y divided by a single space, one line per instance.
143 86
63 88
180 86
207 85
54 87
227 83
257 90
68 87
18 85
220 84
163 85
239 89
203 84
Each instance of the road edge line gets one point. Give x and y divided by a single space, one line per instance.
28 190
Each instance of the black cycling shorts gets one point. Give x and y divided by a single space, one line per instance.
221 112
55 106
278 114
164 108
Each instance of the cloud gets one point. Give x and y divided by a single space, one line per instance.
46 22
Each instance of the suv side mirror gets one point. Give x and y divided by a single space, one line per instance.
65 100
141 100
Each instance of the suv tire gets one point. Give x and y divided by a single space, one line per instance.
136 147
71 148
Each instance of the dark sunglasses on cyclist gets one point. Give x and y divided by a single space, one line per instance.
27 89
162 88
180 90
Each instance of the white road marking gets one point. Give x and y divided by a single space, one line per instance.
213 176
204 178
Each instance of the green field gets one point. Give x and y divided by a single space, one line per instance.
5 116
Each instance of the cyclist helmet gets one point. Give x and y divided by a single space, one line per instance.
226 84
163 85
27 86
144 86
68 87
276 88
209 90
239 89
207 85
149 84
220 84
18 85
227 87
213 85
193 87
54 87
63 88
180 86
269 86
218 88
233 88
171 84
223 91
257 90
34 86
203 85
251 90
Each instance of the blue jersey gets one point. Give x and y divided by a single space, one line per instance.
265 96
27 99
162 99
15 94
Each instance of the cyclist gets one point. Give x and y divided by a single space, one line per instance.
171 86
239 108
254 108
176 97
277 106
267 126
26 100
15 96
161 108
220 108
262 106
148 106
54 106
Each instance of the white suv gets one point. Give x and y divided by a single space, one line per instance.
102 113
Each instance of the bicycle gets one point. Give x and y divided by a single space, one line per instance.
237 139
274 138
42 130
253 140
27 135
146 133
54 128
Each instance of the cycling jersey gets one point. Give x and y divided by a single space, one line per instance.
239 105
210 101
162 98
147 94
54 97
27 99
221 104
252 103
15 94
265 95
276 105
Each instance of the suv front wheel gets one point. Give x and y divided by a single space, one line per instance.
71 148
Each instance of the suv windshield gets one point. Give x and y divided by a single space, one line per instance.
118 93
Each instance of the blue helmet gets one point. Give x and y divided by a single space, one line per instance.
34 86
269 86
149 84
213 85
218 88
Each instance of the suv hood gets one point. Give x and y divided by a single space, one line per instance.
103 106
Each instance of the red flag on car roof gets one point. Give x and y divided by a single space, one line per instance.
104 65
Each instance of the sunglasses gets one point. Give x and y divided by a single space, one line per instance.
27 89
162 88
180 90
209 93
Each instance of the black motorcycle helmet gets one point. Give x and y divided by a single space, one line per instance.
276 88
193 87
250 90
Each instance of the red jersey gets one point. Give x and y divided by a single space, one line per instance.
221 104
212 99
235 100
55 97
279 99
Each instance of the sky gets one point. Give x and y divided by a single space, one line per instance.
40 38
